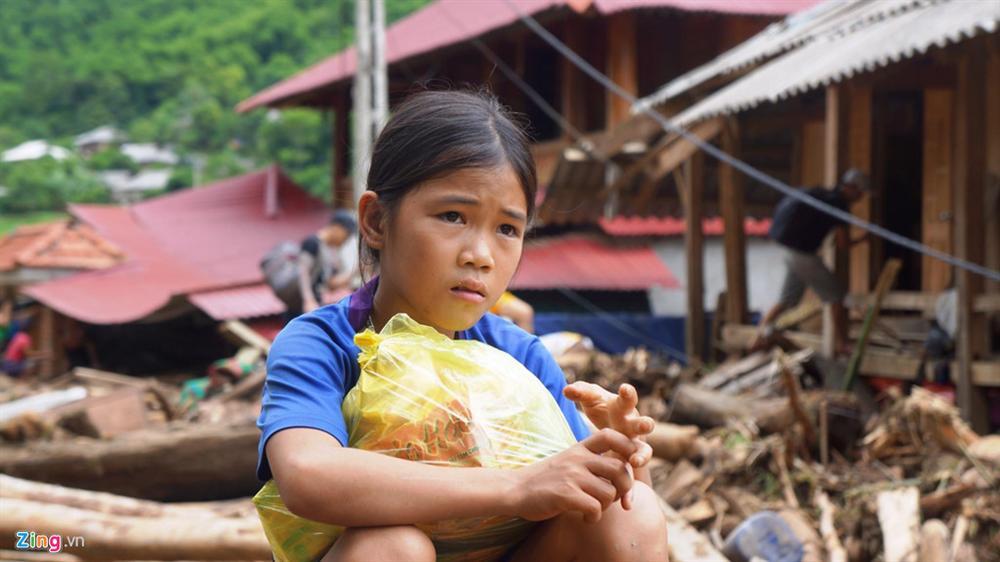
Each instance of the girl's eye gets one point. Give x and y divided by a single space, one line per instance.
508 230
451 216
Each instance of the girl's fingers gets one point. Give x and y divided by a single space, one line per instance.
642 455
627 498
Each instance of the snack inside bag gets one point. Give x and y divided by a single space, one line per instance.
427 398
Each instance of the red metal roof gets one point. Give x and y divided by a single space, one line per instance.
56 245
669 226
239 302
576 262
193 241
446 22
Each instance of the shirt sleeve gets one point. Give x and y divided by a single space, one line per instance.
305 386
311 246
538 360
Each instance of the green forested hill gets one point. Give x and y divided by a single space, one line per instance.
168 71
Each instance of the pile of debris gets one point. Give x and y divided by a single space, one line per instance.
774 467
753 459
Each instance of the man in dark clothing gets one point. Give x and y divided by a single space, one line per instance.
800 229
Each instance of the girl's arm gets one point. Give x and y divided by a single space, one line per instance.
323 481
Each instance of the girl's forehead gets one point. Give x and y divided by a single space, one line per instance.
500 183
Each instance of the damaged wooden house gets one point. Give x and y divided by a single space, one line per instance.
900 89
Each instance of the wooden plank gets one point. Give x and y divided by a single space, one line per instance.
622 65
937 204
885 281
666 156
734 237
860 157
245 335
694 325
969 190
876 362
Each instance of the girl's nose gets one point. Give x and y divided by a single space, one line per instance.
477 254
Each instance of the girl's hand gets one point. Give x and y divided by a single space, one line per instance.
615 411
582 478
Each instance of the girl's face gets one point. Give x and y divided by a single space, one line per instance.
451 249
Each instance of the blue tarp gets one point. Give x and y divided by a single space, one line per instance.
616 332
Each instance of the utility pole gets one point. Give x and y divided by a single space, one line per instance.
362 96
371 92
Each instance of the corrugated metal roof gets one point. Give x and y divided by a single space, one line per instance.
57 245
670 226
850 49
192 241
578 262
794 31
238 302
447 22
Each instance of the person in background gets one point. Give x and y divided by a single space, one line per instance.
328 260
17 353
516 310
800 230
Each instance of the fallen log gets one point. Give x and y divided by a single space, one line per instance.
175 463
103 502
673 442
115 537
707 408
834 549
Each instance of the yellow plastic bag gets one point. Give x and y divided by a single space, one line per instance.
424 397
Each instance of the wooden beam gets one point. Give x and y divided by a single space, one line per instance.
969 190
993 166
938 200
694 325
343 194
834 155
860 156
811 167
666 156
734 237
885 282
876 362
622 65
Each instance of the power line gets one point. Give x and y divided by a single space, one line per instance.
747 169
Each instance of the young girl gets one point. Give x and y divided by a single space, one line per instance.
451 193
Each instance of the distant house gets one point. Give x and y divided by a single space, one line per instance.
42 252
98 139
34 150
127 187
146 154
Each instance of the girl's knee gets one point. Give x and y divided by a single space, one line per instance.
364 544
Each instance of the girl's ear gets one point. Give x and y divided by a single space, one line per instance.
371 222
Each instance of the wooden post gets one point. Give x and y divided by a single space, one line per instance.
340 180
993 168
859 146
571 95
622 65
694 325
734 237
46 342
833 157
938 199
969 189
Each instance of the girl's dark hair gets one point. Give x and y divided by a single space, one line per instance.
434 133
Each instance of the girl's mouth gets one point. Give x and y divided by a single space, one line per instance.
467 295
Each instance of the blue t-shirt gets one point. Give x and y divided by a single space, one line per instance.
313 363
